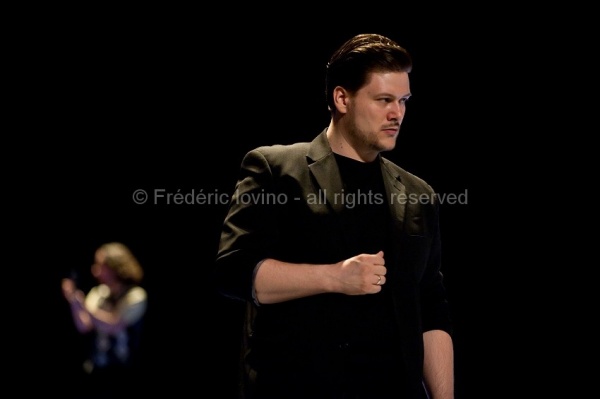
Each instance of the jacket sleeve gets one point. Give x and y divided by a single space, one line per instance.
249 229
434 302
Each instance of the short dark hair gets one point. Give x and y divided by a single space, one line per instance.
350 65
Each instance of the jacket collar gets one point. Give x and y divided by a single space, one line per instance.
322 164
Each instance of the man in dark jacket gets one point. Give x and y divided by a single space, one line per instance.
336 250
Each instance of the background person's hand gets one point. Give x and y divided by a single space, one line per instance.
70 291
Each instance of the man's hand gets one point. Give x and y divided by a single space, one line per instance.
362 274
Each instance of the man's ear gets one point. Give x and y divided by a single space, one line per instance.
340 99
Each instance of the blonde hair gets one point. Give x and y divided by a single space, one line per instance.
120 259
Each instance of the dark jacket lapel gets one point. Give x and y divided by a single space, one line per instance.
323 167
396 194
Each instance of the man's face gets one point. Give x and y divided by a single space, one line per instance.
376 110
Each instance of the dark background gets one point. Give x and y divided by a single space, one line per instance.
175 106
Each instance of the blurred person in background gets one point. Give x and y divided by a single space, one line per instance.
111 317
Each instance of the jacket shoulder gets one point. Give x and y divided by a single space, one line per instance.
282 150
279 154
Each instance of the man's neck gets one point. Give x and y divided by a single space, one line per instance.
342 146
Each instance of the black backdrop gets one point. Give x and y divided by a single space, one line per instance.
174 107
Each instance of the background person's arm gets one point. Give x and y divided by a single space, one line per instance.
75 297
129 310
